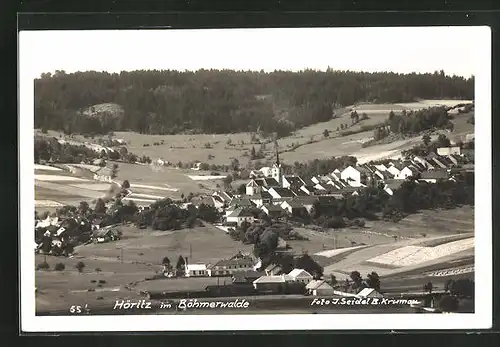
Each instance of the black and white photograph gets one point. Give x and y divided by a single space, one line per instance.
214 179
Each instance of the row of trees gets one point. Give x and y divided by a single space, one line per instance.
414 122
49 149
210 101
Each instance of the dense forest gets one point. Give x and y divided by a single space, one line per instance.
212 101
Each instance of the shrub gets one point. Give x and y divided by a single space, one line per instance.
59 267
102 281
99 285
93 281
97 269
80 266
43 266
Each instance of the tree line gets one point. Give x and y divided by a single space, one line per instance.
211 101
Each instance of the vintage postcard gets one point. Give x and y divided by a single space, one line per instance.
213 179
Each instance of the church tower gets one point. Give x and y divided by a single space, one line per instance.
276 171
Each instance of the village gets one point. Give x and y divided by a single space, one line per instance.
276 197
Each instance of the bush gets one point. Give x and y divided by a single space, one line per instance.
99 285
43 266
80 266
97 269
59 267
93 281
102 281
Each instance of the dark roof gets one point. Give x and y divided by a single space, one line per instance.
246 276
260 182
299 192
241 202
241 212
434 174
266 195
284 192
218 198
271 182
273 208
305 200
394 184
294 180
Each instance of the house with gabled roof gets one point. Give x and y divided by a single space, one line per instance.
274 211
444 151
227 267
240 215
424 162
308 189
300 275
225 196
355 176
319 288
391 186
298 192
433 176
394 169
408 171
281 193
270 182
252 187
292 181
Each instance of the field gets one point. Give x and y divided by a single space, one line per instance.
55 187
124 265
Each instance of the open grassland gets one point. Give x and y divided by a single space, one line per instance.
223 148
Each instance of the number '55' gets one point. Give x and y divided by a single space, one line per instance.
75 309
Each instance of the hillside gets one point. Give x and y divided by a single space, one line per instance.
172 102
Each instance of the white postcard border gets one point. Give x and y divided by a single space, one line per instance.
481 319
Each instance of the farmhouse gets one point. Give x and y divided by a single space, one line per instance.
253 187
319 288
274 211
228 267
272 283
240 215
395 169
300 275
196 270
106 234
307 202
292 207
434 175
369 293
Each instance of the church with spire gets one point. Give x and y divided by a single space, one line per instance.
276 170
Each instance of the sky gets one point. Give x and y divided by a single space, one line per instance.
398 49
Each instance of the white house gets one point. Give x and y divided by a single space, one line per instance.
355 176
369 293
272 210
271 282
253 188
257 200
394 170
196 270
319 288
407 171
281 193
380 167
300 275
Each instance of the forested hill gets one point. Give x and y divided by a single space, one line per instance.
210 101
